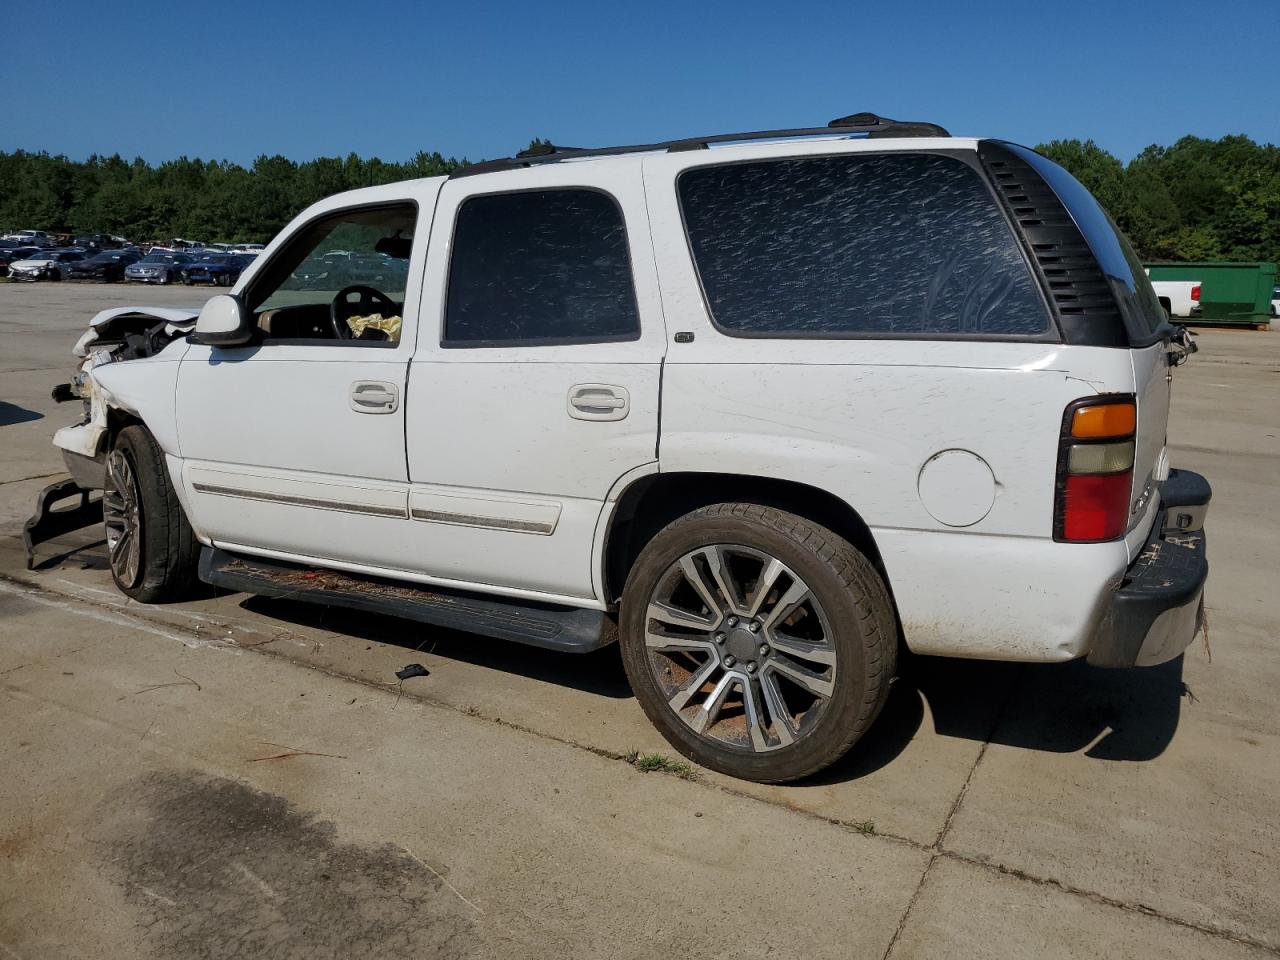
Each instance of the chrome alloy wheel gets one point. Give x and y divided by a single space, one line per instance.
122 511
740 647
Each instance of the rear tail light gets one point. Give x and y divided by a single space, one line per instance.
1195 293
1095 469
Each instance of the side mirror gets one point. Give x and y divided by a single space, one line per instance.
223 322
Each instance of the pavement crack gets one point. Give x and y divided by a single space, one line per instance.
1102 899
36 476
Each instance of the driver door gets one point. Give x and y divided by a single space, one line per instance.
294 444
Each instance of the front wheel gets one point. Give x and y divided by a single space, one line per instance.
760 644
150 545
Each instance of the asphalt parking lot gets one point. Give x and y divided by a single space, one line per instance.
245 777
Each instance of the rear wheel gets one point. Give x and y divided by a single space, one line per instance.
760 644
151 547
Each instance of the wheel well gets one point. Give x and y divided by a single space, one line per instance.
1166 303
654 501
117 420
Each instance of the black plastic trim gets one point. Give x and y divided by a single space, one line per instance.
1079 293
552 627
1169 574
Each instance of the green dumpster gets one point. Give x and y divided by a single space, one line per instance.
1231 294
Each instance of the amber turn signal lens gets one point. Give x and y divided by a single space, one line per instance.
1105 420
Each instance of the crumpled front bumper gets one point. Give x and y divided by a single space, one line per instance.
1159 607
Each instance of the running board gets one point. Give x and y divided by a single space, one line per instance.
553 627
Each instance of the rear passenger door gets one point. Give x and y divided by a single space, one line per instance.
534 388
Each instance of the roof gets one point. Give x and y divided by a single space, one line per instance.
867 124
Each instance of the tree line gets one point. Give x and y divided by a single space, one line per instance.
1198 199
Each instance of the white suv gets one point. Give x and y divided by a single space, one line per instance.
762 407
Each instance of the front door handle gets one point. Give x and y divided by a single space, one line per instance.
598 401
374 396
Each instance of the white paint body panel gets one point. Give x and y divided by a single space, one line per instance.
494 422
278 417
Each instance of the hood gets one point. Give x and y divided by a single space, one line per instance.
30 264
177 320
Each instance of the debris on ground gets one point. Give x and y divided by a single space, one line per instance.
412 670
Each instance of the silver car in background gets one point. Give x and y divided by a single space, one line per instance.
157 268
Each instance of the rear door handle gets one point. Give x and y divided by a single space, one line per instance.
374 396
598 401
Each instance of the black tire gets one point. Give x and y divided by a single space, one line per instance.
854 603
165 569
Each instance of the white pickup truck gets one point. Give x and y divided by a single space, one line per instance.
762 407
1180 298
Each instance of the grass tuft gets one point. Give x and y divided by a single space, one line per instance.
650 762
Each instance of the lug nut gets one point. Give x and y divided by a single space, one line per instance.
720 638
764 649
751 667
755 626
733 621
729 661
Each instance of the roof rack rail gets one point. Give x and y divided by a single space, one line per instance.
869 123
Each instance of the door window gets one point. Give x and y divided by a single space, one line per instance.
540 267
340 279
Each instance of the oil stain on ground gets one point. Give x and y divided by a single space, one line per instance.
218 869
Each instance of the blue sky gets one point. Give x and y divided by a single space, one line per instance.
232 80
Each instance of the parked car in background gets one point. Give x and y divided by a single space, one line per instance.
1275 302
1180 298
106 265
45 265
248 249
219 269
98 241
10 255
157 268
30 238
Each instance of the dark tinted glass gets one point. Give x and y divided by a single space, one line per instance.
546 265
896 244
1138 302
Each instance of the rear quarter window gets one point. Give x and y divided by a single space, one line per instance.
901 245
1144 318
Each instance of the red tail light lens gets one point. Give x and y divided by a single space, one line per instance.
1195 293
1096 507
1095 469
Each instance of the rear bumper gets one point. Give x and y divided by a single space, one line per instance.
1155 613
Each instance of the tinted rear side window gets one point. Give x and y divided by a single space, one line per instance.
888 245
545 266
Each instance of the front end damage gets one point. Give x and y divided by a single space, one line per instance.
114 336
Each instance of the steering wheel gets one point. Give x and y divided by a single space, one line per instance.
371 301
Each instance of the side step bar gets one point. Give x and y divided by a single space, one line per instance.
552 627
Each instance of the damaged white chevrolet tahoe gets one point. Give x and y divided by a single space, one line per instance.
761 407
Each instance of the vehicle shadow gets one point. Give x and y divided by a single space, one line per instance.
599 672
11 413
1128 715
